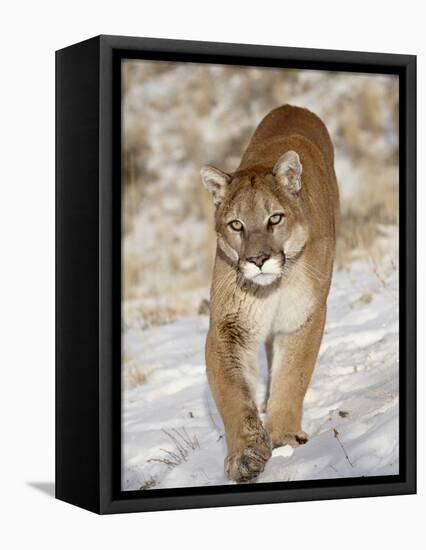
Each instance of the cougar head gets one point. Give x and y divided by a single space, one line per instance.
259 221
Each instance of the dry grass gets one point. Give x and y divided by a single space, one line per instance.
183 444
149 483
373 205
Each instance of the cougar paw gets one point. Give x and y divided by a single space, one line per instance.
246 464
294 439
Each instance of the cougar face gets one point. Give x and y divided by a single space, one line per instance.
259 224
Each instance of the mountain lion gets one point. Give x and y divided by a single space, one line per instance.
275 221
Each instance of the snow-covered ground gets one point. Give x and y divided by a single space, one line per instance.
172 432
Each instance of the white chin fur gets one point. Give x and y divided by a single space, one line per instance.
269 273
264 279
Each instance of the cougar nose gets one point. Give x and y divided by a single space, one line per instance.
259 260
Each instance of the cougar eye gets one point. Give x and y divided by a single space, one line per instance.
236 225
275 219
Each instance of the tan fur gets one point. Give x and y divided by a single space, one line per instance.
270 281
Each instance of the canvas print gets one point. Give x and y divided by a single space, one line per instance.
260 235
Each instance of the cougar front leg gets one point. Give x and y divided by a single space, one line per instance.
269 356
230 373
294 357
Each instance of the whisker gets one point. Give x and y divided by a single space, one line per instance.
312 272
224 283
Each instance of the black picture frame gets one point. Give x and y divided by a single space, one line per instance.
88 273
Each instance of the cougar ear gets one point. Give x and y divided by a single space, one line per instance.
288 171
215 182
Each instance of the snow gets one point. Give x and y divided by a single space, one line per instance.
173 434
